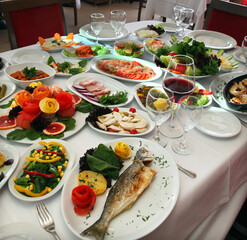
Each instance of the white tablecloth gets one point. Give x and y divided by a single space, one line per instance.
220 164
164 8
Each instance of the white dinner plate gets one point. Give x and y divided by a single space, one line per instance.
107 33
5 64
146 48
108 82
239 56
217 87
139 85
23 231
151 125
145 28
78 116
157 70
217 122
169 27
212 39
155 204
30 55
9 152
10 87
69 150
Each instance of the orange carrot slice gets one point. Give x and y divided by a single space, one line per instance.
57 36
120 45
70 36
41 40
22 96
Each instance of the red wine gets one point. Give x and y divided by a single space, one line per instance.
179 86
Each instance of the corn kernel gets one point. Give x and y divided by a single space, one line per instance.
23 166
49 154
66 162
46 157
37 155
60 148
35 151
43 148
54 155
65 154
49 147
49 189
58 179
15 178
61 174
59 167
59 170
30 187
27 176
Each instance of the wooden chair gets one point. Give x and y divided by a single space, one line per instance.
26 20
228 18
71 3
142 4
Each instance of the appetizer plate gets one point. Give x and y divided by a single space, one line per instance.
217 87
18 172
108 82
10 88
76 40
146 47
151 125
5 64
78 116
157 70
30 55
107 33
9 152
23 231
213 39
139 85
217 122
130 224
145 28
169 27
239 56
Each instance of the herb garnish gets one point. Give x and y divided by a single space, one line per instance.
30 73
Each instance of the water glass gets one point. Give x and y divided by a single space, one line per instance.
177 16
244 48
186 18
97 21
117 20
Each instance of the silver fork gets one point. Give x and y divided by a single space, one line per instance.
46 220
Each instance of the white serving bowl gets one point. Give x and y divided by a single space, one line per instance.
39 66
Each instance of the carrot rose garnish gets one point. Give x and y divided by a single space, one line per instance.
41 40
57 36
41 92
70 36
22 97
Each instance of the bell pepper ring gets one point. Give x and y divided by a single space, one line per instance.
35 173
29 192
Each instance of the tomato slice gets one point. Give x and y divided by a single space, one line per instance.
180 68
67 112
64 99
41 92
24 119
31 107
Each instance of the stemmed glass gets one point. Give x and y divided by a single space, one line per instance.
117 20
188 114
244 48
159 107
186 18
97 21
179 80
177 16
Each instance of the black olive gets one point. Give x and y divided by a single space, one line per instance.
1 176
9 162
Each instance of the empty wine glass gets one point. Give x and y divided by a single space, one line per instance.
117 20
186 18
189 113
97 21
159 107
177 16
179 79
244 49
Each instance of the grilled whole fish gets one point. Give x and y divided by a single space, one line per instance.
128 188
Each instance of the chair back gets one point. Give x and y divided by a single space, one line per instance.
228 18
26 20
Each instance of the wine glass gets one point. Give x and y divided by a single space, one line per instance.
97 21
176 16
159 107
188 114
179 80
117 20
186 18
244 49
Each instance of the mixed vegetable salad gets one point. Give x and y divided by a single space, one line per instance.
129 48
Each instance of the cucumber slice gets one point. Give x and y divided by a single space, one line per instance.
221 51
229 57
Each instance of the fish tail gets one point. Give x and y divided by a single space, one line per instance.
96 231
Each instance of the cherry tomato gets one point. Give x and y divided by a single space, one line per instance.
31 107
115 110
132 110
133 131
111 130
180 68
172 54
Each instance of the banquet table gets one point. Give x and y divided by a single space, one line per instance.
164 8
206 206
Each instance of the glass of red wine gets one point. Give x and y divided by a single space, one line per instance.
179 80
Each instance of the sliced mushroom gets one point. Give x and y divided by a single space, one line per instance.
115 128
142 123
117 116
102 126
110 122
105 118
126 125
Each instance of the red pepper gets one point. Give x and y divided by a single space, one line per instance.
46 151
133 131
111 130
40 174
142 97
115 109
133 110
204 92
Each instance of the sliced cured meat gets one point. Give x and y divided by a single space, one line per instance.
87 82
96 87
102 92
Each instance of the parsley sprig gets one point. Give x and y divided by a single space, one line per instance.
30 73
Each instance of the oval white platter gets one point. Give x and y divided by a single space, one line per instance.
217 87
156 69
217 122
151 125
155 204
212 39
18 172
78 116
108 82
30 55
9 152
146 28
10 87
107 33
